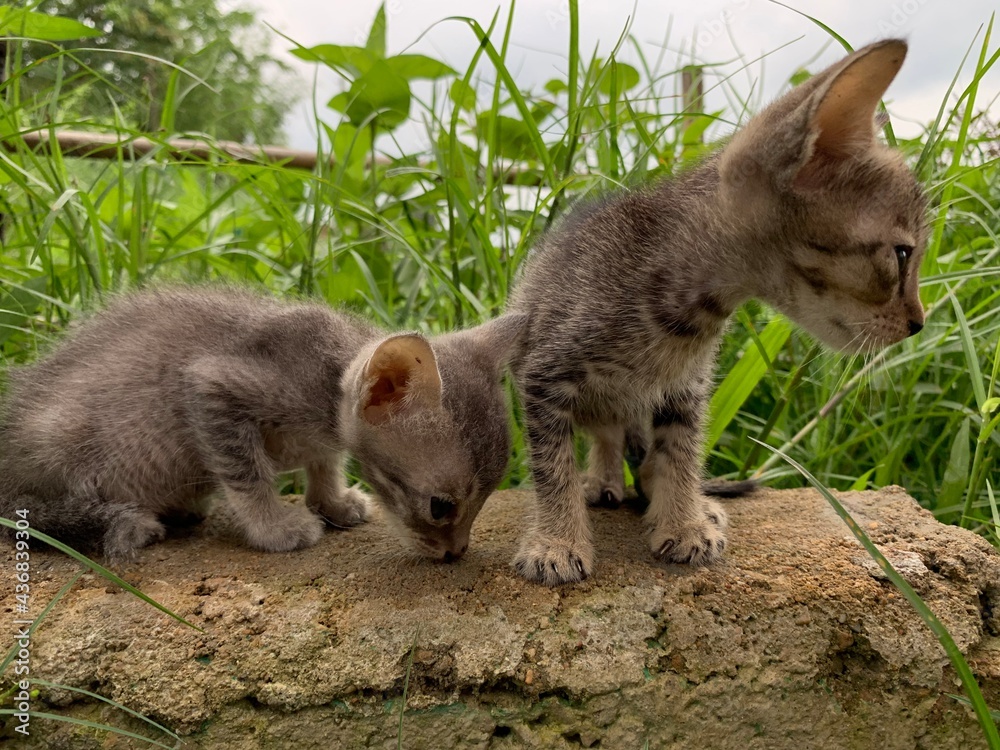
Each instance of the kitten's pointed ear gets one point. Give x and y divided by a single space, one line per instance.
500 337
400 376
843 121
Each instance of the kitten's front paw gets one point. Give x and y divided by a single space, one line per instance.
599 492
553 561
350 508
699 543
296 527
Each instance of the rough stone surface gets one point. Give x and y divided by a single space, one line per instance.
794 640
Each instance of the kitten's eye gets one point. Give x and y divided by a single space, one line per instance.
903 253
441 508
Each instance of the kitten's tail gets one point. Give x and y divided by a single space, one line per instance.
635 452
726 488
713 487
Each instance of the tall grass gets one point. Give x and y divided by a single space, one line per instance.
432 239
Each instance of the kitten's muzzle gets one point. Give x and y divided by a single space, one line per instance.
445 551
915 327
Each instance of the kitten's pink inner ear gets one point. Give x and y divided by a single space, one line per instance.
402 375
845 118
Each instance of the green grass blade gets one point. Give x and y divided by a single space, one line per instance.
959 153
956 473
99 569
993 509
12 654
969 348
406 688
743 378
89 725
516 96
116 704
931 620
840 40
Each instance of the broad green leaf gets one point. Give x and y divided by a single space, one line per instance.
743 378
28 23
513 137
350 149
376 37
991 405
463 95
419 66
339 102
382 94
956 473
626 78
695 131
541 109
355 60
555 86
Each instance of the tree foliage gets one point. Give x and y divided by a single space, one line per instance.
242 94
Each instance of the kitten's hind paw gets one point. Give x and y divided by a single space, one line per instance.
698 543
553 561
599 493
350 508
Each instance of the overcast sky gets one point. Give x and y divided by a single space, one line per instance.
939 33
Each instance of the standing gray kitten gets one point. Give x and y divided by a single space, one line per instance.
168 396
627 301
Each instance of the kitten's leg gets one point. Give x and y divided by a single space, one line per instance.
637 440
225 414
558 548
604 482
328 496
685 526
128 530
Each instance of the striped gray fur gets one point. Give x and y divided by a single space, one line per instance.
629 297
171 396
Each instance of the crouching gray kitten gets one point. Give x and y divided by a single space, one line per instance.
627 300
169 396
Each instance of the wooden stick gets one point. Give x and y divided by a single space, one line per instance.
105 146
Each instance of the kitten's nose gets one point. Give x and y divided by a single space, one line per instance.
450 556
915 327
